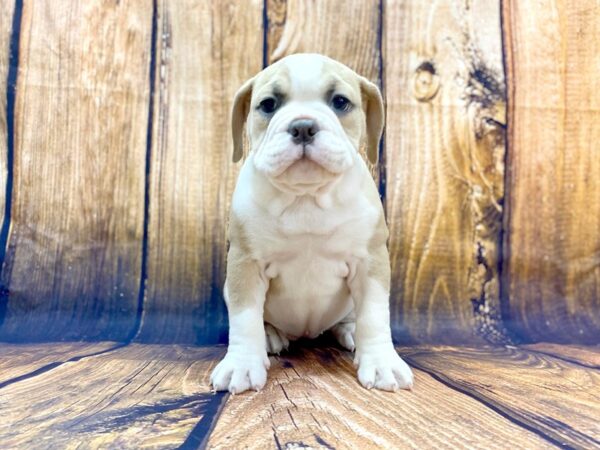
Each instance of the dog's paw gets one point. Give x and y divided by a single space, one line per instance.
381 368
239 372
344 334
276 340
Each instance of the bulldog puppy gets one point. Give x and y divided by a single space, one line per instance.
307 231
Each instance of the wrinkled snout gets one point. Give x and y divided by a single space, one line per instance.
304 140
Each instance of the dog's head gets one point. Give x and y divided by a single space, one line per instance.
306 117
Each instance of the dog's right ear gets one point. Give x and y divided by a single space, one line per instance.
239 114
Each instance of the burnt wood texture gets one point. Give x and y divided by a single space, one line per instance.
116 173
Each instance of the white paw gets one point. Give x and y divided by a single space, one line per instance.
276 340
344 334
240 371
381 367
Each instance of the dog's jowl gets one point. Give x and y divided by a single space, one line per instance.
307 231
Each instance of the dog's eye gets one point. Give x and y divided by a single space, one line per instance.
341 103
268 105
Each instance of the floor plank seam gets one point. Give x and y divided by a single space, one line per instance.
486 403
200 434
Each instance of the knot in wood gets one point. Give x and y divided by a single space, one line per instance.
426 82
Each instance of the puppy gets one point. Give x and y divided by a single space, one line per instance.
307 230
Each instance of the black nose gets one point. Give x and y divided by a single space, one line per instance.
303 131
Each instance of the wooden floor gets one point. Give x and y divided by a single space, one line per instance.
110 395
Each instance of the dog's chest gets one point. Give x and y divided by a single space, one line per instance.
308 260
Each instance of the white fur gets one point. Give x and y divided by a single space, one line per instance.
310 248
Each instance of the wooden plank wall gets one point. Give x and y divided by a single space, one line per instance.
445 161
553 226
73 258
191 174
119 175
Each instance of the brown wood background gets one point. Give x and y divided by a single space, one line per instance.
115 172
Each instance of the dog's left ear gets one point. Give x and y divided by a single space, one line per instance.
373 107
239 114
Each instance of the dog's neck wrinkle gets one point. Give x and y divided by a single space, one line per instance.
327 197
303 201
283 203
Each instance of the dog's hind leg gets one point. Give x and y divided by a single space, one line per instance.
344 332
276 340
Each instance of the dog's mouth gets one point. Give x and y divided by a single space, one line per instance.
306 175
305 170
311 158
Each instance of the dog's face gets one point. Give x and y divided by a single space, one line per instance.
306 117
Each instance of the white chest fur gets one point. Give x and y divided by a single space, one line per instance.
307 252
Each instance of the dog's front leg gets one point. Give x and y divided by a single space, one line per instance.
378 363
246 362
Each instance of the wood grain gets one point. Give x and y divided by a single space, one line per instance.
135 397
297 26
347 31
588 356
6 18
553 247
158 396
205 51
313 400
18 360
444 153
73 262
554 397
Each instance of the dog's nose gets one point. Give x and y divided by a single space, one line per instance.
303 130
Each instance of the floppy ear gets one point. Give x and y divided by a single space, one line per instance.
374 113
239 114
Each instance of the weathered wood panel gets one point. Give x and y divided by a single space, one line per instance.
6 19
205 51
553 226
558 399
347 31
313 400
444 154
135 397
18 360
72 267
